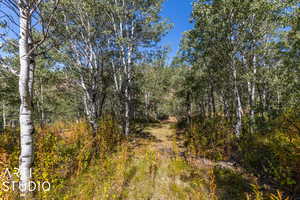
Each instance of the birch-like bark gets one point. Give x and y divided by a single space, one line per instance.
278 99
88 55
123 30
93 103
127 117
212 98
4 115
31 58
225 107
147 105
264 100
26 123
127 94
239 110
253 97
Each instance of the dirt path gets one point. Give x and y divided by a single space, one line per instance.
158 172
153 167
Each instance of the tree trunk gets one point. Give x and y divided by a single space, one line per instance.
127 112
278 100
31 58
91 111
93 105
225 107
202 107
147 105
128 98
188 107
264 101
4 115
213 103
252 96
239 111
26 123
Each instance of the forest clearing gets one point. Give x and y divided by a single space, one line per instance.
150 100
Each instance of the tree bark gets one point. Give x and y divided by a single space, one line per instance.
91 111
253 97
31 68
213 102
147 95
225 107
26 123
239 111
127 111
4 115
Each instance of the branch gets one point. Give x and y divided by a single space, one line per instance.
36 5
8 69
45 32
9 42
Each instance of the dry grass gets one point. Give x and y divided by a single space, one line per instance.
150 166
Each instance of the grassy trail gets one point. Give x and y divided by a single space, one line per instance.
152 166
159 173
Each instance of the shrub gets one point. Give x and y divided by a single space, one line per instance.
62 150
272 152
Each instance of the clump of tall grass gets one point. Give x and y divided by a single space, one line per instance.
257 194
271 153
62 150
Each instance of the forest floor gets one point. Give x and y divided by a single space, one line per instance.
160 170
154 165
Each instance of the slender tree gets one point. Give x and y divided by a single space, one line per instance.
26 10
135 24
233 60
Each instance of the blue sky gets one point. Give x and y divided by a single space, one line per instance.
178 12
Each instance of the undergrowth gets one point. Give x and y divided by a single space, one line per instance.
121 171
271 153
63 152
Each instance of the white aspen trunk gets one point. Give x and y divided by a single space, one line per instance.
202 105
146 105
125 29
125 58
239 111
278 99
127 95
91 111
213 103
85 103
225 106
264 99
188 107
128 106
127 111
91 106
4 115
117 78
249 93
249 88
31 58
26 123
209 106
252 97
